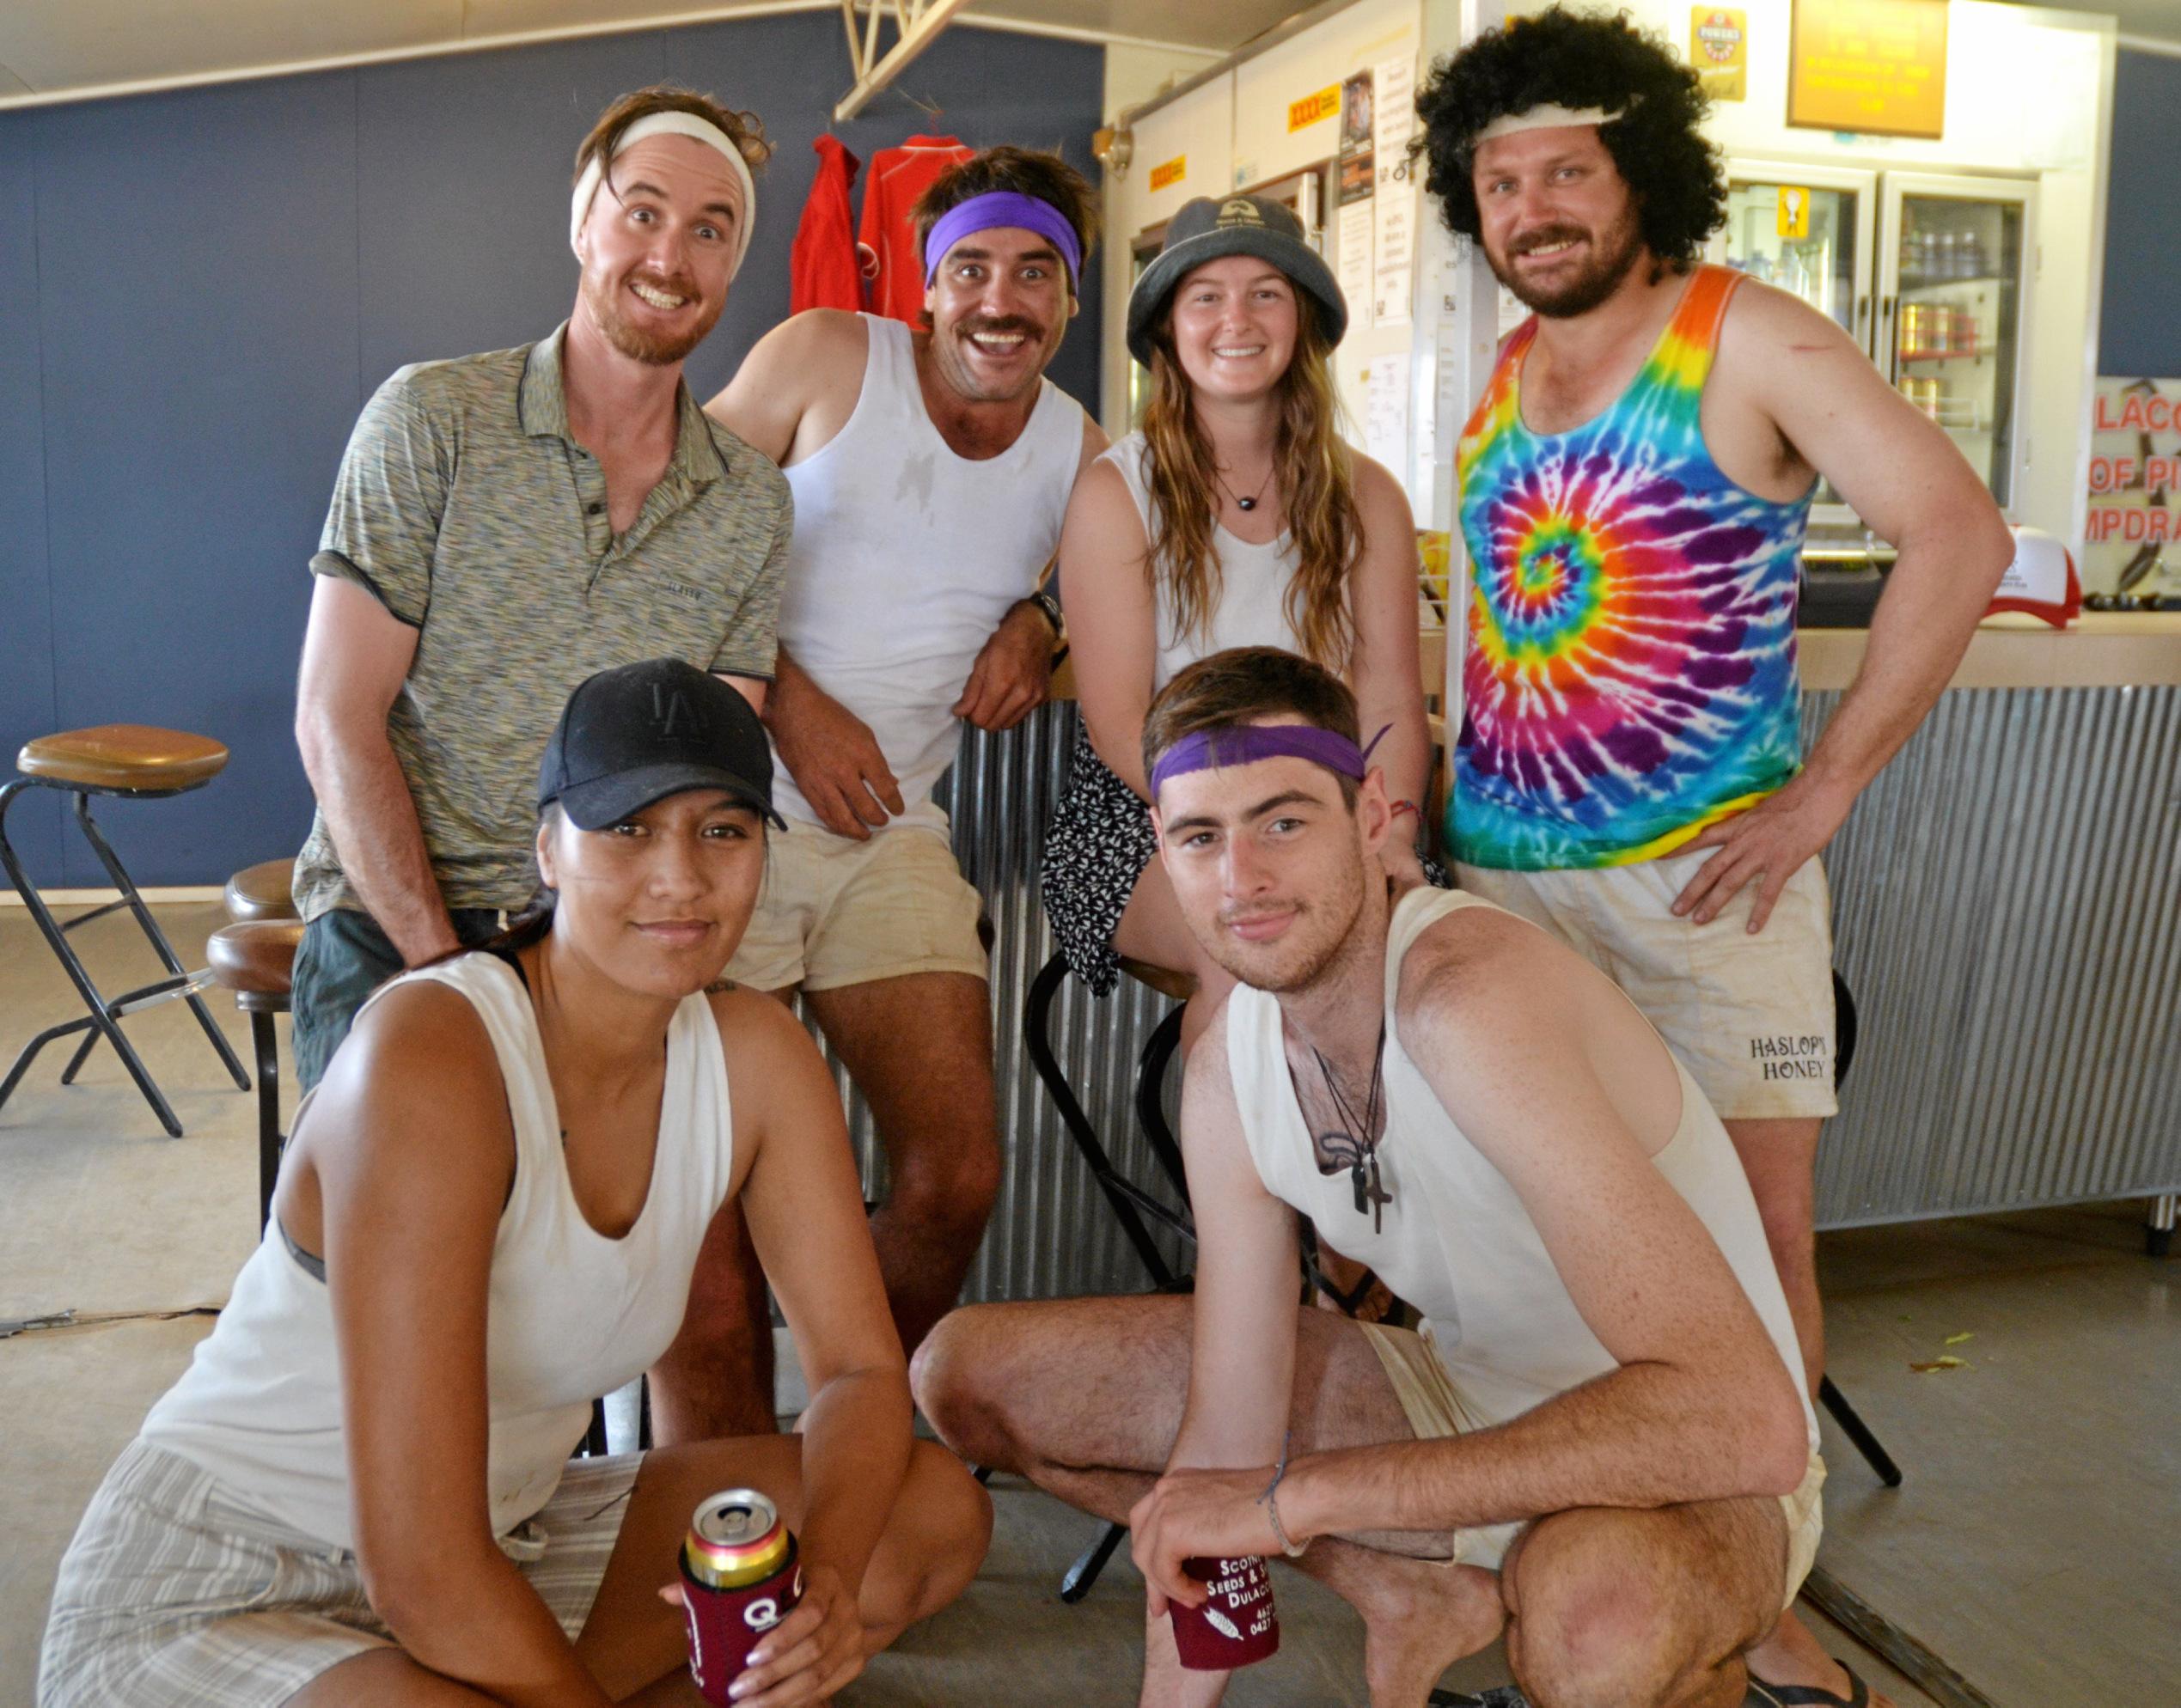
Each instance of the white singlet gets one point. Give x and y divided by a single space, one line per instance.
1252 606
571 1313
905 557
1458 1243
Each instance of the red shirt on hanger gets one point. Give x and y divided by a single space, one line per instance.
898 176
824 271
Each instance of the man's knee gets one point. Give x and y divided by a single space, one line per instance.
936 1540
1587 1624
950 1186
952 1376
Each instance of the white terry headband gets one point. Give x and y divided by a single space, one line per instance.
671 124
1547 116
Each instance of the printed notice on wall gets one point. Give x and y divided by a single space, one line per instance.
1352 262
1393 245
1878 66
1385 413
2132 541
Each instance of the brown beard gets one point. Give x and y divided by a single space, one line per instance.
1614 254
651 348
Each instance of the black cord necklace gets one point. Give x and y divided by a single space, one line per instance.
1355 1145
1241 503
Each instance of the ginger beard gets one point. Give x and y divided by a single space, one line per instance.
1589 279
657 349
650 314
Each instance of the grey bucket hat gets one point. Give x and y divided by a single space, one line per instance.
1204 230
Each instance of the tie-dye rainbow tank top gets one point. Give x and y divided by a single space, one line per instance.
1630 674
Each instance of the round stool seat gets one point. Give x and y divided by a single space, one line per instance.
265 891
132 756
1181 986
255 959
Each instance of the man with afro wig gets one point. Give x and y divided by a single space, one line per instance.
1635 485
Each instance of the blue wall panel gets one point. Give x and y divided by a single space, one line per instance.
198 255
463 193
25 590
2140 333
198 289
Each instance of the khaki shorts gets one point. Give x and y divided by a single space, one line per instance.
1435 1410
836 912
174 1591
1750 1017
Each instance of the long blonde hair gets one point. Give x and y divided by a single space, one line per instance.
1310 468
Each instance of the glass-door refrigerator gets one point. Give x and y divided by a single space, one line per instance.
1955 288
1806 229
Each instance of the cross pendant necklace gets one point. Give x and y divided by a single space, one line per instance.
1356 1144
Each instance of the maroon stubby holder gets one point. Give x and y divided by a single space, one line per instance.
740 1577
1237 1626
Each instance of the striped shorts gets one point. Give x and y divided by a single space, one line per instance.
174 1591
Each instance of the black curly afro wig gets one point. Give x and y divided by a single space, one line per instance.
1582 59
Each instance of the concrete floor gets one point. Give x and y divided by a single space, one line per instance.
2035 1545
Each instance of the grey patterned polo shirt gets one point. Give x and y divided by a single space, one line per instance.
465 507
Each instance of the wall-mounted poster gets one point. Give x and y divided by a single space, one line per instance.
1878 66
1719 49
2132 542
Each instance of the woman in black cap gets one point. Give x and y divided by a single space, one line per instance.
360 1491
1235 515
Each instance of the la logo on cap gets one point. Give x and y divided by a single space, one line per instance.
671 711
1240 211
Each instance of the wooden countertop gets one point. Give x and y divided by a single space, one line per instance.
2101 650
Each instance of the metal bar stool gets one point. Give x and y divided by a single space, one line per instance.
254 957
131 761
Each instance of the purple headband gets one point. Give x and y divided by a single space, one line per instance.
1247 743
990 212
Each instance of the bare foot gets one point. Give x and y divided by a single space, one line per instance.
1419 1618
1792 1656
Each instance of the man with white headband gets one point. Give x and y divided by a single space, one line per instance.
503 526
1597 1445
1635 485
932 468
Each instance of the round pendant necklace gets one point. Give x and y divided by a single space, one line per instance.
1241 503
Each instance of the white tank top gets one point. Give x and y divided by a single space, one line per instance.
1458 1242
905 558
571 1313
1252 606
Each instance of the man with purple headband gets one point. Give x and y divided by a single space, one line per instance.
931 469
1597 1444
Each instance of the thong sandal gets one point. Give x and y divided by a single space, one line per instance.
1763 1695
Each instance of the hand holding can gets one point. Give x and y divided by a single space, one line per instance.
1235 1625
740 1577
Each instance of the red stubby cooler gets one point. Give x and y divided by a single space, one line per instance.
740 1577
1235 1625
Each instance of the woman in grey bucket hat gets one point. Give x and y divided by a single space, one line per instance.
1204 230
1234 516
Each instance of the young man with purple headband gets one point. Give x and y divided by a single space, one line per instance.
1598 1445
931 469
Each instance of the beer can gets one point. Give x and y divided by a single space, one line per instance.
740 1577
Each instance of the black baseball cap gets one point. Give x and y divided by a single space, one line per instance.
639 733
1208 227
